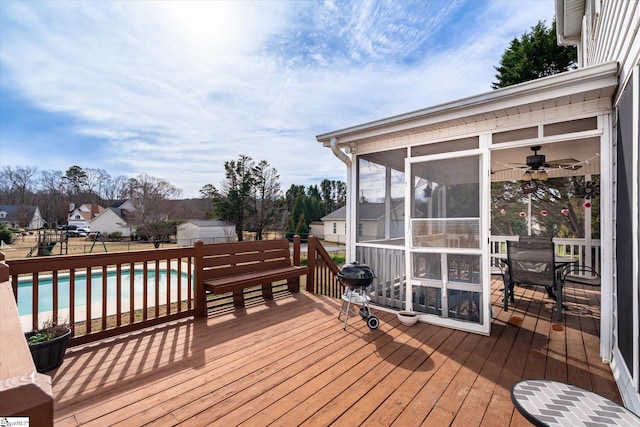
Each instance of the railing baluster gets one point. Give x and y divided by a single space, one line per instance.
132 293
104 297
35 285
119 295
72 300
145 296
54 297
88 300
179 284
157 287
190 282
168 283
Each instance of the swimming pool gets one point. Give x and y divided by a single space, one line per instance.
45 289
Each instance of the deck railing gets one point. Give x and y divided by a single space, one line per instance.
388 289
388 263
103 295
321 279
97 299
575 248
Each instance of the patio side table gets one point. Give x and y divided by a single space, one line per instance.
552 403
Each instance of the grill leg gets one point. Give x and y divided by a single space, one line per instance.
349 294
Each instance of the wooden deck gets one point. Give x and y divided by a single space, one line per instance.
288 362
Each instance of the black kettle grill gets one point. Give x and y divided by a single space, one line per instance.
355 278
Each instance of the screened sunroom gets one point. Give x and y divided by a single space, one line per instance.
434 193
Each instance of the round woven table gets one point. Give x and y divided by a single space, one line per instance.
552 403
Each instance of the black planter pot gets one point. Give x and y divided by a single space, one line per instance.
48 355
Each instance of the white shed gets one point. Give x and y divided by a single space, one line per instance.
209 231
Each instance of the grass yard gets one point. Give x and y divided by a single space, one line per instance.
76 246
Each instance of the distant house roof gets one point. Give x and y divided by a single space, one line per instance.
87 211
366 212
119 212
338 214
15 213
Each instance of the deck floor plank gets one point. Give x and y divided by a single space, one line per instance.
289 362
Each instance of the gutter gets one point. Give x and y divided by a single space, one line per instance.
339 153
350 216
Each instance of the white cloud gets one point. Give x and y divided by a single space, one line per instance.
178 88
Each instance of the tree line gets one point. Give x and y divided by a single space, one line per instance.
54 191
249 197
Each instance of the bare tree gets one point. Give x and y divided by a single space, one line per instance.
116 188
55 206
149 195
96 181
266 198
21 181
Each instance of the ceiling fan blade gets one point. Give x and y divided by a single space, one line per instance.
572 164
515 166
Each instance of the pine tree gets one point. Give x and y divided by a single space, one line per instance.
536 54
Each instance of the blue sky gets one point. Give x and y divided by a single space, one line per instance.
174 89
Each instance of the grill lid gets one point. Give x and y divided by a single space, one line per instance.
355 270
356 273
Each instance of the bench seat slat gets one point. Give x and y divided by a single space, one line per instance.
244 247
223 285
240 258
211 273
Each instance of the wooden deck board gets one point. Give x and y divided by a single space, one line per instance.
289 362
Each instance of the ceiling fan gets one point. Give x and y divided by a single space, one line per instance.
537 166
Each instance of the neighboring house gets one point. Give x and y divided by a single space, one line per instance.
115 218
371 223
21 216
334 226
588 117
209 231
126 206
105 220
111 220
82 216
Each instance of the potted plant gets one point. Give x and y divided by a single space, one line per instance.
48 345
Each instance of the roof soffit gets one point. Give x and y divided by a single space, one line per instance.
569 15
562 89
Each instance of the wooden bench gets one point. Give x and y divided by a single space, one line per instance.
235 266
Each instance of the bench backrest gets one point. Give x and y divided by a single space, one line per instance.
230 259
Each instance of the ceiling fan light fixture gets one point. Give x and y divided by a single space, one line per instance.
540 175
526 176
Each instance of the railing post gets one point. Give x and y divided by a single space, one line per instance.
311 264
294 283
200 293
296 249
4 269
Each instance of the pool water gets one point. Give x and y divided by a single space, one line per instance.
45 289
